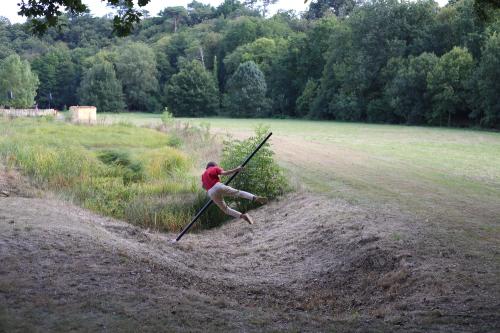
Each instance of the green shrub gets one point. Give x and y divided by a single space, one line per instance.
167 118
262 175
174 141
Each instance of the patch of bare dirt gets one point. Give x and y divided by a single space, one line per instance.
308 264
13 184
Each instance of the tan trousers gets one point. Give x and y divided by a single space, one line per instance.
219 191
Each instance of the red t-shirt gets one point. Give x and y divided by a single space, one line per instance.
211 177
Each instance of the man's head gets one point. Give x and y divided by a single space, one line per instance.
211 164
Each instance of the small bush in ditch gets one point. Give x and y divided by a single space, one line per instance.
262 175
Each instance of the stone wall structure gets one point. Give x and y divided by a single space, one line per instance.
83 114
27 112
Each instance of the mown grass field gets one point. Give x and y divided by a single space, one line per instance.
446 174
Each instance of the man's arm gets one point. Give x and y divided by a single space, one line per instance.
230 172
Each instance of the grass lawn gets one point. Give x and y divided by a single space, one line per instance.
451 174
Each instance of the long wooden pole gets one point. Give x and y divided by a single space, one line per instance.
209 202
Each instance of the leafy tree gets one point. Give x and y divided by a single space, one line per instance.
18 84
5 47
244 30
315 46
82 31
46 13
163 65
136 69
239 32
192 92
262 51
199 12
306 99
30 48
486 10
352 86
176 15
102 89
461 26
488 83
274 27
246 92
5 51
230 8
58 78
303 60
211 43
336 94
174 48
320 8
286 81
450 87
407 90
259 5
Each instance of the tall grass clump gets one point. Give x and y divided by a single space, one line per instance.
56 167
165 162
167 212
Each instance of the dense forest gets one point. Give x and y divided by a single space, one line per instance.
384 61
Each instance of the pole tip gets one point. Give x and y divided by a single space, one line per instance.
173 241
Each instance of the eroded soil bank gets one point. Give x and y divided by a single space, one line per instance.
309 264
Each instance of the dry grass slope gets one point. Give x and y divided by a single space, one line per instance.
329 265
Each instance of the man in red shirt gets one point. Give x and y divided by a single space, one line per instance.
216 190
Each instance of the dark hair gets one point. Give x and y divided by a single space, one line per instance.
211 164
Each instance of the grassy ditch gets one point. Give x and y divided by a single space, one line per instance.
132 173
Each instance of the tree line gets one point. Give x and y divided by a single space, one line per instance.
383 61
